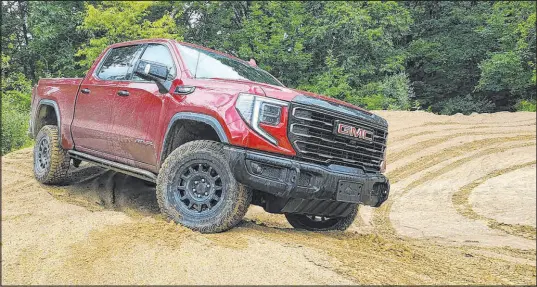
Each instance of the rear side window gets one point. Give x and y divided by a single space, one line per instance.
159 54
118 63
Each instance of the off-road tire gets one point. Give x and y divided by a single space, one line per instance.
235 197
300 221
55 172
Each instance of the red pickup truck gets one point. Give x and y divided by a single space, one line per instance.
215 133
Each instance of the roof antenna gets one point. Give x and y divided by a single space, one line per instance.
252 62
197 63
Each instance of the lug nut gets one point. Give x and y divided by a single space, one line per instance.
208 185
203 180
196 182
194 190
206 193
199 195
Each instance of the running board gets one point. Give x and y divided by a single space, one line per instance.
123 168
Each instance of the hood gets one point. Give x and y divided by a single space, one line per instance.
282 93
298 96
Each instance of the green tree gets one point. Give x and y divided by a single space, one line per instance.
366 45
445 49
332 48
333 82
508 74
274 33
55 39
112 22
16 38
212 24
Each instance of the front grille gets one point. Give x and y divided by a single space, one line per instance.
311 131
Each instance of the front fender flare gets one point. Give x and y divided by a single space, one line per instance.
204 118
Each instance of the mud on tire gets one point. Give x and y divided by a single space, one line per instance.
196 188
51 161
312 223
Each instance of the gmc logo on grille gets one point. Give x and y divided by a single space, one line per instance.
354 132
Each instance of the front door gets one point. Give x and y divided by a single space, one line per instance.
92 124
136 114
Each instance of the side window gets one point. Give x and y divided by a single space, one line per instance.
118 63
159 54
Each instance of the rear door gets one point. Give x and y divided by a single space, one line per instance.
92 124
136 114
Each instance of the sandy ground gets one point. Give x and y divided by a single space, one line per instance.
461 211
503 197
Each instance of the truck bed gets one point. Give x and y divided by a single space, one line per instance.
62 93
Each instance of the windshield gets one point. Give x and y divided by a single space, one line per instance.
205 64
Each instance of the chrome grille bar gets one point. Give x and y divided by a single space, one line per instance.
311 131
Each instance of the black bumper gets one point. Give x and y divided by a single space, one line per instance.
301 185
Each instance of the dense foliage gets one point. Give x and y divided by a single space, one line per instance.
446 57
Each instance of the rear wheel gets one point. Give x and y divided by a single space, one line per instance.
321 223
51 161
196 188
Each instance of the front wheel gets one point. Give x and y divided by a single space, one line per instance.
321 223
196 188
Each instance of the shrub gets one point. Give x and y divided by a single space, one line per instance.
373 102
398 91
14 127
393 93
526 106
466 105
16 97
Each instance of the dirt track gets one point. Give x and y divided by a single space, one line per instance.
462 211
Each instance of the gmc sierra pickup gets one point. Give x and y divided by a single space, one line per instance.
215 133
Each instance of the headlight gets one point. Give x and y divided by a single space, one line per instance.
256 109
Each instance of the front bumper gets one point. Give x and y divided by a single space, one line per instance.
307 183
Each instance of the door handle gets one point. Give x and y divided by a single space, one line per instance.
123 93
85 91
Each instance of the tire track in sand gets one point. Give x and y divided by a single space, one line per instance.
451 152
381 215
435 141
463 207
426 211
435 131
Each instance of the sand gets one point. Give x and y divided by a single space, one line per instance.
461 211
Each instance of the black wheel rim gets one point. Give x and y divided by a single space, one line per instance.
42 156
198 188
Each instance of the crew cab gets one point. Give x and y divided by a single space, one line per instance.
215 134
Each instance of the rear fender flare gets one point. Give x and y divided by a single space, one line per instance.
54 105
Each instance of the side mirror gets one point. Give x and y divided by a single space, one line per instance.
155 72
252 62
